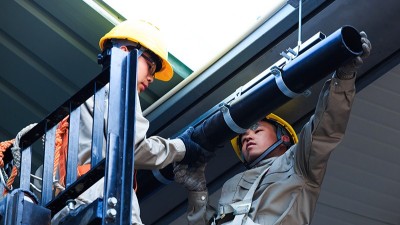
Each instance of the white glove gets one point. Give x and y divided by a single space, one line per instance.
348 71
192 178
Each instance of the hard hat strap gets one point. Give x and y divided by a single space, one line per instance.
262 156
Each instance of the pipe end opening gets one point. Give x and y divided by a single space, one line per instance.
352 39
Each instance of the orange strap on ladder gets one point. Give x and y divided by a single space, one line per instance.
3 147
61 152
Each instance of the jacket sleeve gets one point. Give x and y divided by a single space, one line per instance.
150 153
154 152
325 130
199 211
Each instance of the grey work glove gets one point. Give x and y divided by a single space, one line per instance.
192 178
195 154
348 71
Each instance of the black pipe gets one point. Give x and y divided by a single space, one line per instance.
262 98
299 74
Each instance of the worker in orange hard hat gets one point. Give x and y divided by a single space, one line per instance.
150 152
284 173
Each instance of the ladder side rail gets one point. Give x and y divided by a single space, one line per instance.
73 147
113 173
98 133
48 166
129 127
26 159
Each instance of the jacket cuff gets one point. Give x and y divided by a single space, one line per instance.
180 147
347 84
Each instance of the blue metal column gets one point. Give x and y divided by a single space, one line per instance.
118 185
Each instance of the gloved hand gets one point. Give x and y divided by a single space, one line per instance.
194 152
348 71
192 178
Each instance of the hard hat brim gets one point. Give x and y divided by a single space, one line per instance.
166 72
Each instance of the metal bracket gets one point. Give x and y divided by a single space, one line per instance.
290 54
229 121
238 92
282 86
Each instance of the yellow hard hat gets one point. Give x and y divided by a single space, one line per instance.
270 117
148 36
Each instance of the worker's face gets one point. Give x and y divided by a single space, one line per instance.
255 141
146 69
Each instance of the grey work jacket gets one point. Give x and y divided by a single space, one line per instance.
289 191
150 153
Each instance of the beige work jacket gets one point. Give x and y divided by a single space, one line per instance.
289 191
150 153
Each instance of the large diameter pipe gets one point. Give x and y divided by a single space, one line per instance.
299 74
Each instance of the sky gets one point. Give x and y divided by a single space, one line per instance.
199 32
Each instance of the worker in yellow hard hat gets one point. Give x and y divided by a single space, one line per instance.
284 173
145 37
243 143
150 152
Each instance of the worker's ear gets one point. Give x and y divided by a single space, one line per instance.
124 48
285 139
